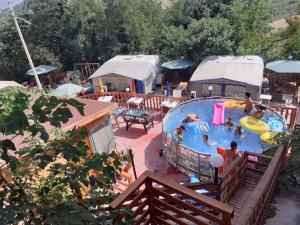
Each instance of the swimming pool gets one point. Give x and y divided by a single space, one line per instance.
219 135
192 155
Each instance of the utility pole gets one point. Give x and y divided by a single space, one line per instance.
25 48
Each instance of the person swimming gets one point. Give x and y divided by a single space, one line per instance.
190 118
260 110
179 133
238 131
205 139
229 124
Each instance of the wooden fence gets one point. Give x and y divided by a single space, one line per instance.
153 102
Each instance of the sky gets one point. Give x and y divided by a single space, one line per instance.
3 3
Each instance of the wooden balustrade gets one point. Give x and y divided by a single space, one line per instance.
152 102
161 201
289 113
234 173
253 211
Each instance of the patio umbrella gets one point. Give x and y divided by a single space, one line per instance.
132 86
178 64
168 89
284 66
42 69
69 90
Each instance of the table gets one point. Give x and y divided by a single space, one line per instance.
118 113
167 105
139 116
105 98
135 102
265 99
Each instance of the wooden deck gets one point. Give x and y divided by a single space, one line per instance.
241 198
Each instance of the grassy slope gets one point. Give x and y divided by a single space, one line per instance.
284 8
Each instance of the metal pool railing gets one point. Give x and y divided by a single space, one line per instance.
185 159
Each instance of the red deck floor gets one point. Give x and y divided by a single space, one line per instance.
146 149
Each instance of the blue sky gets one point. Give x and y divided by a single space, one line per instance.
3 3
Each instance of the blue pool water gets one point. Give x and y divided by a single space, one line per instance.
219 136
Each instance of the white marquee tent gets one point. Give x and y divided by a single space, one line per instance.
230 76
118 73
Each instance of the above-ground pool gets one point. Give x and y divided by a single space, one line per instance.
192 155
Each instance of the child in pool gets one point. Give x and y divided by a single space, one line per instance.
260 110
238 131
229 124
205 139
179 132
230 154
190 118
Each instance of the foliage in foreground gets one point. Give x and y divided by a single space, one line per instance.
46 172
290 174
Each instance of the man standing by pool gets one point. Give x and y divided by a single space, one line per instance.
248 103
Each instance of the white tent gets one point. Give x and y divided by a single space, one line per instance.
119 72
6 84
230 76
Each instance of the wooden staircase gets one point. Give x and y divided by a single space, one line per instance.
241 198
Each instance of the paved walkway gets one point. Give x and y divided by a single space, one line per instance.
146 149
287 208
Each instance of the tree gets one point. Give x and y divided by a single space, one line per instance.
183 12
250 19
291 38
208 37
45 177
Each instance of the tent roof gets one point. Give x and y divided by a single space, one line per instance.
5 84
284 66
178 64
42 69
244 69
137 67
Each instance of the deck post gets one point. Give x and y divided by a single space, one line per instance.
151 193
226 219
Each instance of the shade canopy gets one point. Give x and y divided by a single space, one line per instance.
284 66
178 64
138 67
42 69
241 69
69 90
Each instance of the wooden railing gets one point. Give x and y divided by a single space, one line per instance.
289 113
156 200
253 211
234 173
153 102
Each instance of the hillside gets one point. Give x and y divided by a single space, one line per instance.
284 8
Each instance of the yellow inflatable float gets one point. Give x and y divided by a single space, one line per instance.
254 125
234 104
269 137
240 105
230 104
